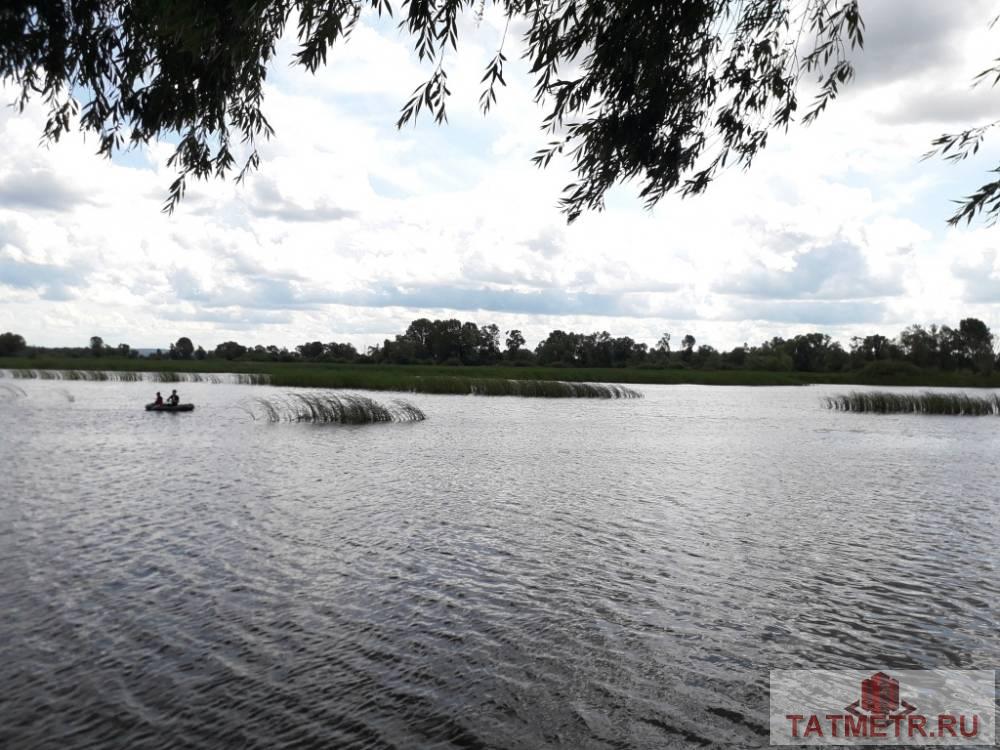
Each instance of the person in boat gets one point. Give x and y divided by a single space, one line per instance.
174 399
159 400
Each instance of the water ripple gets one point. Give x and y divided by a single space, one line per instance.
509 574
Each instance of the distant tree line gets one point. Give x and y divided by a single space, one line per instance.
970 346
11 344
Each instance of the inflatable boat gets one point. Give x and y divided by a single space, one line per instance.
168 407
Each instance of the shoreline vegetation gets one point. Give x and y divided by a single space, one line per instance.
459 379
952 404
135 376
449 356
409 382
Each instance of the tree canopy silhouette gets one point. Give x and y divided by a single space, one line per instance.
663 92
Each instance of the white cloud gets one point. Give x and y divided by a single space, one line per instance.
353 228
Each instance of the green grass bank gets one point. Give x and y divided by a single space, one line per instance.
446 379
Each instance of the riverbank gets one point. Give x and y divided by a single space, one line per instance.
443 379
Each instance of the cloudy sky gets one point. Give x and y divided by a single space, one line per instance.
351 228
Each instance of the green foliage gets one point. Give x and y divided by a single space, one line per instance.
403 378
665 92
11 344
312 350
272 353
441 379
589 350
525 388
183 349
399 379
957 147
230 350
514 342
442 341
970 346
423 379
918 356
889 368
880 402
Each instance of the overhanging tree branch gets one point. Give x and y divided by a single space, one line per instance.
662 92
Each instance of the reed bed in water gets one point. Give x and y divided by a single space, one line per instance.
366 378
123 376
549 389
881 402
329 408
458 385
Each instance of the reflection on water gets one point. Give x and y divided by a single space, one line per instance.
510 573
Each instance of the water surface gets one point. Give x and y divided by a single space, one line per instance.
511 573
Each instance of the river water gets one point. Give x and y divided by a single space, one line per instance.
509 573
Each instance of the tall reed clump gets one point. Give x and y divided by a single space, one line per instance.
331 408
413 379
127 377
549 389
88 375
522 388
881 402
238 378
130 376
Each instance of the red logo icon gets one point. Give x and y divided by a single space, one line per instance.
880 698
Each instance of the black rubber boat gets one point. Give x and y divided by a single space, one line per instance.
168 407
